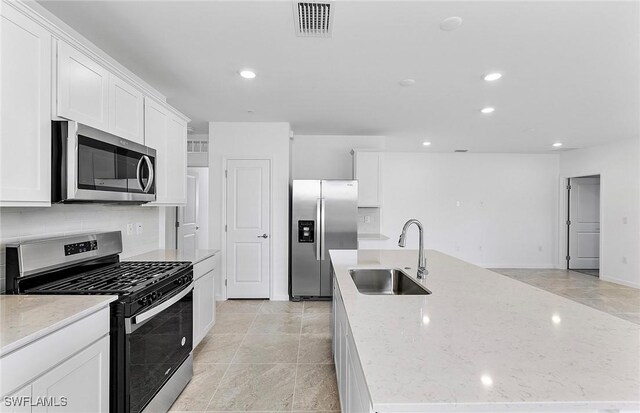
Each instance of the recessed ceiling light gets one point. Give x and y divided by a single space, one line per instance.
492 76
450 23
426 143
487 110
486 380
557 144
247 74
407 82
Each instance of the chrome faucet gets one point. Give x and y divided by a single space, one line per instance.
422 262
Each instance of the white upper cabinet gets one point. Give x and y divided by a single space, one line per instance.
367 169
126 110
83 88
25 116
167 134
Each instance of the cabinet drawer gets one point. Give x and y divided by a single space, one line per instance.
203 267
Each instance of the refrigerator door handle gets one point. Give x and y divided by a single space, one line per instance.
318 231
322 225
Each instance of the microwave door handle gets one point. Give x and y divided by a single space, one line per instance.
133 323
138 173
151 174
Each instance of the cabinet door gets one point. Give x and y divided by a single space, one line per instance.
17 402
177 167
167 134
126 110
25 111
207 303
80 384
155 136
368 172
197 304
83 88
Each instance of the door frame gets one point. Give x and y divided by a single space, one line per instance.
563 232
223 219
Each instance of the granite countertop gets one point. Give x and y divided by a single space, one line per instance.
174 255
26 318
484 342
372 236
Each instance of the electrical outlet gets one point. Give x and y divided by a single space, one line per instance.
624 260
539 248
458 203
367 219
129 229
625 220
138 228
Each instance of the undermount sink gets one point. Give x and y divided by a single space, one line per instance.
385 281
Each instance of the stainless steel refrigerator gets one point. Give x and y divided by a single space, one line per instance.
324 216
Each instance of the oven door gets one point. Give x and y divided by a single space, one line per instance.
159 339
104 167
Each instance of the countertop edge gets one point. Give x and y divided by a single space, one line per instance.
161 255
550 406
25 341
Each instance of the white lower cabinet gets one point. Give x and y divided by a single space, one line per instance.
80 384
204 303
67 370
354 396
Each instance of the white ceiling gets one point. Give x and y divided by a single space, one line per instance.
571 69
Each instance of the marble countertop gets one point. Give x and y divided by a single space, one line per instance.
373 237
174 255
484 342
26 318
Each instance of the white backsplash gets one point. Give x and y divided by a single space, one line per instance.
20 224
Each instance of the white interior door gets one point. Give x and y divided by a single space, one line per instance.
248 225
584 228
187 217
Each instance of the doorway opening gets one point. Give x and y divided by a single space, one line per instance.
192 219
583 224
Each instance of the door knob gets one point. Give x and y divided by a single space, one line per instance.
263 236
197 227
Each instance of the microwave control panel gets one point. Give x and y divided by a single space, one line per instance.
306 231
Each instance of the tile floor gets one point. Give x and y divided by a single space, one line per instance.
264 356
616 299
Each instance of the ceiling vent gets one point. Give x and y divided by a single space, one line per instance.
461 150
313 18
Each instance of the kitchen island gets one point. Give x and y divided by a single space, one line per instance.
479 342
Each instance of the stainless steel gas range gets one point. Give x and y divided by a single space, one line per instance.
151 322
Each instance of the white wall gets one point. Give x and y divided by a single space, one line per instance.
494 210
21 224
253 140
328 156
618 165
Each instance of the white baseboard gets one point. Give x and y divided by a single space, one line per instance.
619 281
280 297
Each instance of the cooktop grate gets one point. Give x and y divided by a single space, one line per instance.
120 278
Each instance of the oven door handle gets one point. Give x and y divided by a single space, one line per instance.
132 323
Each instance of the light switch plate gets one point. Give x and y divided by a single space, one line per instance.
129 229
138 228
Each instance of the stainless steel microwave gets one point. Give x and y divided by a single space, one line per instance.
89 165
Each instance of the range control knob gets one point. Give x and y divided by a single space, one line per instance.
179 281
154 295
142 301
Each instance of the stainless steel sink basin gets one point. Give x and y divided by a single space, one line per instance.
386 281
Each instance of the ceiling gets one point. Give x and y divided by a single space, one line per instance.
571 69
